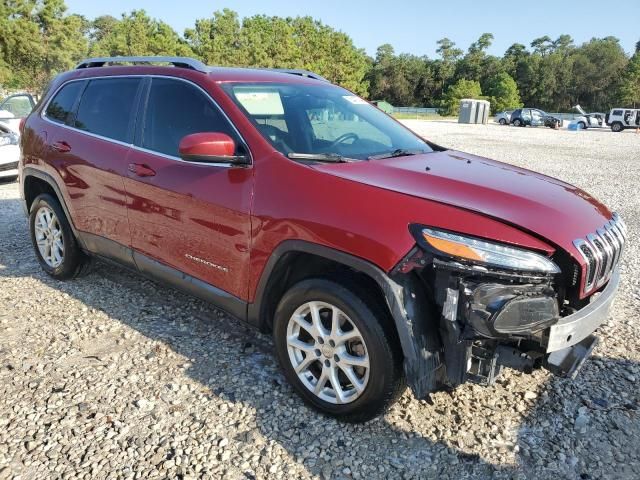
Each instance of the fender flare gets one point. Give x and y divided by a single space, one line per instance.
420 359
47 178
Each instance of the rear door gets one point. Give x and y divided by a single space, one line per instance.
192 217
89 147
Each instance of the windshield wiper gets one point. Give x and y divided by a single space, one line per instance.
320 157
400 152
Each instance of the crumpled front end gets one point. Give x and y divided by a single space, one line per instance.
469 320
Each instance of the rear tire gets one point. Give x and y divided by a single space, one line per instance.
55 245
312 351
502 121
518 123
582 125
617 127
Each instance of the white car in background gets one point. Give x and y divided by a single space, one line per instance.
9 153
503 118
589 120
13 109
620 119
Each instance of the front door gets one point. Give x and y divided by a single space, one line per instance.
190 216
537 118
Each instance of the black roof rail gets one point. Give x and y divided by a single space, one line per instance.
301 73
181 62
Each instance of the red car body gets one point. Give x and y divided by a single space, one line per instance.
221 226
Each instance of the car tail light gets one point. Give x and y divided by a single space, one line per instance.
21 127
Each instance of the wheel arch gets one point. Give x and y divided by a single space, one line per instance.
36 182
295 260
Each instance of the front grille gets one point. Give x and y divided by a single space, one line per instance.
601 251
8 166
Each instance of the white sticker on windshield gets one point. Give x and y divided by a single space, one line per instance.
260 101
355 100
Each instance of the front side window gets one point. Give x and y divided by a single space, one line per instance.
176 109
107 106
60 106
321 119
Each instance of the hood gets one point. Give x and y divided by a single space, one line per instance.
535 203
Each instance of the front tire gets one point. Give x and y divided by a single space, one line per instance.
55 245
502 121
338 350
582 125
518 123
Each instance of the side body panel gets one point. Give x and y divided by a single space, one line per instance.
194 218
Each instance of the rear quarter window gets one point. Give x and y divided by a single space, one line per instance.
616 112
59 108
107 106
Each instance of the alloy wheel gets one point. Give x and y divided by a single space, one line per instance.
49 239
328 352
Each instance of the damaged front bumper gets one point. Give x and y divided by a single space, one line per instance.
484 321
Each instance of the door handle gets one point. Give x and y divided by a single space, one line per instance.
61 146
141 170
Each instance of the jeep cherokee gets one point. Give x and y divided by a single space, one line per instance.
375 258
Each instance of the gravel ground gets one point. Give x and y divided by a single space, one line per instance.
113 376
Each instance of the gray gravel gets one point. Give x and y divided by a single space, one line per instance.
112 376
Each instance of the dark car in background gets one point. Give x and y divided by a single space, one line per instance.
534 117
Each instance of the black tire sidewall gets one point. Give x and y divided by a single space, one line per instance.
502 121
72 254
382 374
616 127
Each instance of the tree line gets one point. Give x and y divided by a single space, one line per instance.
39 38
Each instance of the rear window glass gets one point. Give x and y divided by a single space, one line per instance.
60 107
106 107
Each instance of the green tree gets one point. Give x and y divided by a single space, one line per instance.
629 91
542 45
37 40
503 93
445 68
404 79
135 34
276 42
598 66
216 40
463 88
475 64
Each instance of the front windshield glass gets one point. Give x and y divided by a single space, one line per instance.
322 120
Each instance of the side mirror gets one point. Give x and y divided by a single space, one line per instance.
210 147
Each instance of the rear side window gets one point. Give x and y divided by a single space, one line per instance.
107 106
61 105
617 113
176 109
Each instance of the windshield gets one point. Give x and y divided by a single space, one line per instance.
322 120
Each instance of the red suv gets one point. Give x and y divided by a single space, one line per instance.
375 257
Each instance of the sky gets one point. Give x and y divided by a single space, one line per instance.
413 26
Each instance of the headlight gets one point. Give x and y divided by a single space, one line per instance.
487 253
